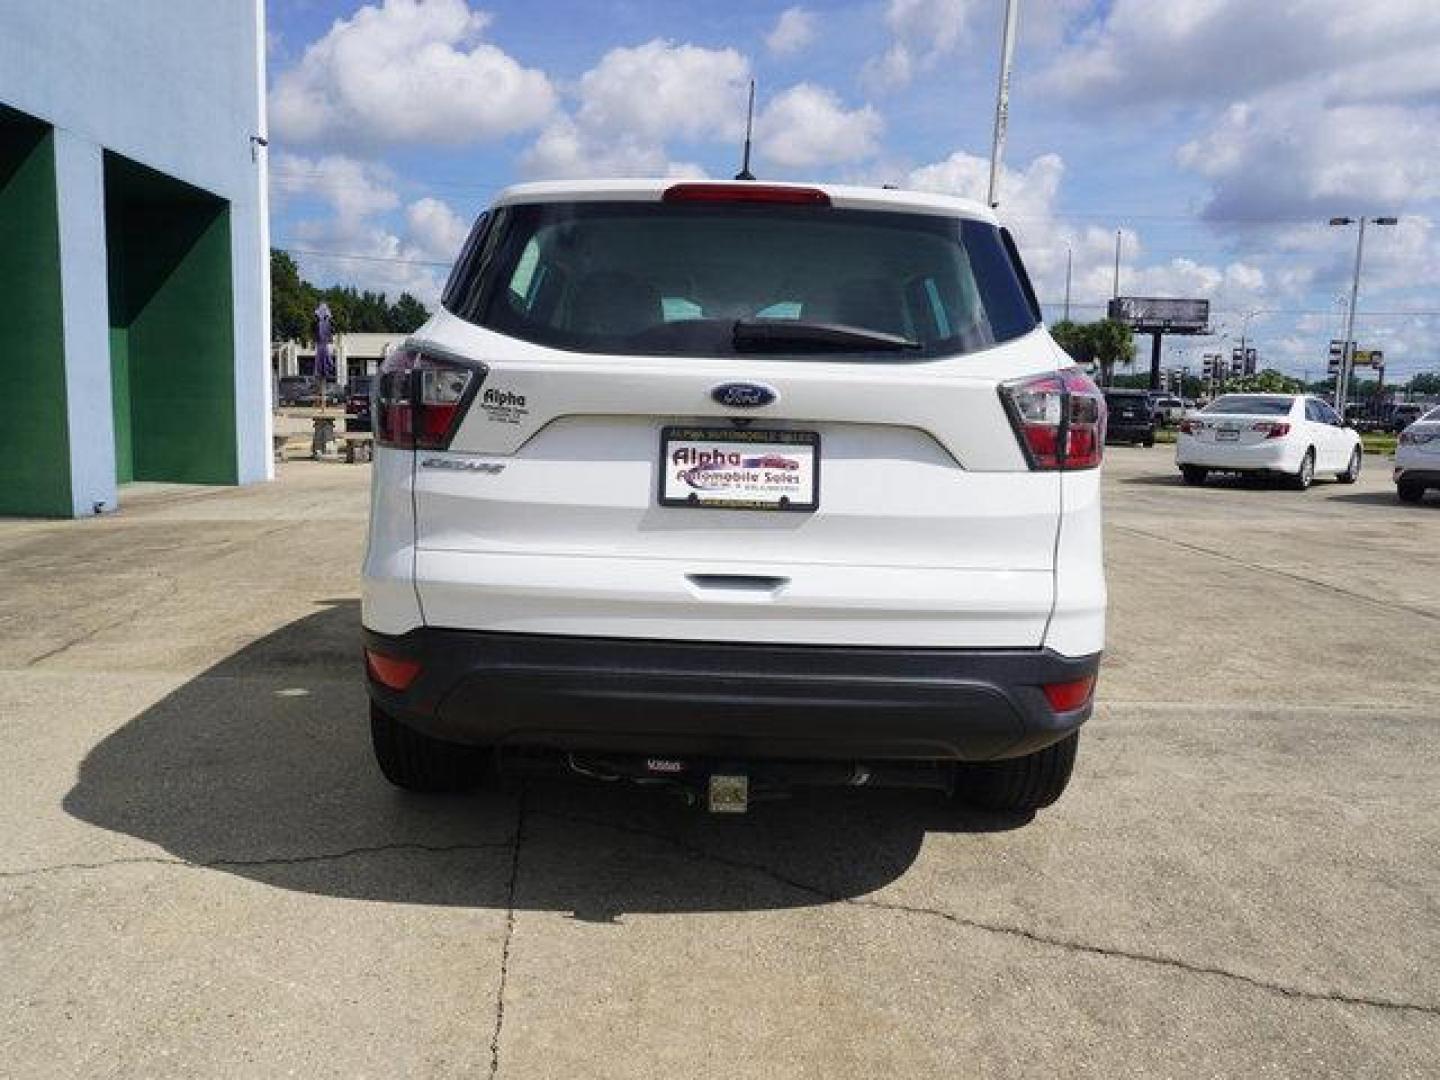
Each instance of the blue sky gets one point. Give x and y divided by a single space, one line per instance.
1216 135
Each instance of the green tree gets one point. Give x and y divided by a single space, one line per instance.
292 300
1104 344
1268 381
407 314
1427 382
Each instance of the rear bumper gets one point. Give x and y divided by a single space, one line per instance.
1410 474
1129 430
1275 456
729 700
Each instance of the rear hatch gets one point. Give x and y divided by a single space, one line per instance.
692 422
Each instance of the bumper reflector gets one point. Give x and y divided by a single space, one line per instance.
1069 696
391 671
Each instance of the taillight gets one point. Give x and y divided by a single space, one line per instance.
1059 419
422 397
393 671
745 193
1069 696
1273 429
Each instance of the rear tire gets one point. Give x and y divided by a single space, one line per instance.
1194 474
1020 784
1410 493
417 762
1352 471
1149 442
1302 480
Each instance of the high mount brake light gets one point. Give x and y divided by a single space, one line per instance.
422 397
745 193
1059 419
1273 429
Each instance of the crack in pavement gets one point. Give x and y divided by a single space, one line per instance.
1035 937
1387 605
509 932
279 860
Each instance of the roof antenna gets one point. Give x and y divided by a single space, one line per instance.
745 173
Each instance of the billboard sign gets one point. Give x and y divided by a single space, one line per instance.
1369 358
1150 314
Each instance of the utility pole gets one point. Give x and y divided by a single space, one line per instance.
1002 99
1347 350
1347 346
1115 291
1069 260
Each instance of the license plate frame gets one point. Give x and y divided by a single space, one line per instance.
671 488
1227 434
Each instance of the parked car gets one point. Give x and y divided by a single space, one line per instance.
294 390
357 403
1286 434
1169 410
1404 414
303 391
1130 417
1417 458
568 560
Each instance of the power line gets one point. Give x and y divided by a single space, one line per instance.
357 257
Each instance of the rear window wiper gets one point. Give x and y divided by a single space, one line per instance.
781 335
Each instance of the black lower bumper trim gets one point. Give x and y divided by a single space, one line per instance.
724 699
1428 477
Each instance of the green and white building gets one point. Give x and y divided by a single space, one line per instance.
134 281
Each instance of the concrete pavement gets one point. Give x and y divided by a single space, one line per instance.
202 873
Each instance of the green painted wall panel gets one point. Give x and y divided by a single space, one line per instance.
120 399
172 327
34 430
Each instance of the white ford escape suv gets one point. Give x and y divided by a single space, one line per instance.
704 480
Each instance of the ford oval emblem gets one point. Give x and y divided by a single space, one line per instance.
743 395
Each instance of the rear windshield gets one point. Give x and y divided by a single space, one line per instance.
666 279
1241 405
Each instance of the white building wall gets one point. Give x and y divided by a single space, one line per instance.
179 86
84 290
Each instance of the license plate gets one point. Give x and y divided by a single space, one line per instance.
739 469
1227 435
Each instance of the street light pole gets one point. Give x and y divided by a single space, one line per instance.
1069 259
1002 99
1115 291
1347 346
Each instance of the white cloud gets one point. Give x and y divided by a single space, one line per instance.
921 33
661 90
1030 206
435 229
1143 53
794 30
807 126
634 101
407 71
1286 154
354 189
352 241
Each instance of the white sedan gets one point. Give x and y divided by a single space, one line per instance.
1287 434
1417 458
